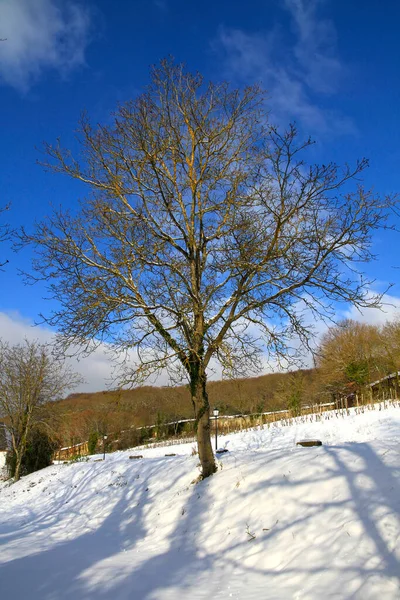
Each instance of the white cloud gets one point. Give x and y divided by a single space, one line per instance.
375 316
41 35
96 369
293 74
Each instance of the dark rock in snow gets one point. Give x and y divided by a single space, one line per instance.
309 443
136 456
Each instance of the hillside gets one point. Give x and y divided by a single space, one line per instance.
111 411
276 522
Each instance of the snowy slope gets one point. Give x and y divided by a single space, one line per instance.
276 522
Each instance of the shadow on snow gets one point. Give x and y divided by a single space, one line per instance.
92 565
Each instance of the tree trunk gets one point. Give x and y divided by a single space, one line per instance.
19 450
202 413
17 472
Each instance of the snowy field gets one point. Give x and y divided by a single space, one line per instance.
276 522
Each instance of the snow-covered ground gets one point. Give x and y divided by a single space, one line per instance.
277 521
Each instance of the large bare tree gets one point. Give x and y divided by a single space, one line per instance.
204 236
29 376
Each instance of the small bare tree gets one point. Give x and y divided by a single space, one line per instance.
29 376
204 237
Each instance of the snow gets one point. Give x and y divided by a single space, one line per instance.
277 522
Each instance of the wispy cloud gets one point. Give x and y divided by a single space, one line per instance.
296 70
41 35
315 48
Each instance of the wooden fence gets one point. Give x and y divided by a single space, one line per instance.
69 452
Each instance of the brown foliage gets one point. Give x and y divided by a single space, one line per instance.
353 354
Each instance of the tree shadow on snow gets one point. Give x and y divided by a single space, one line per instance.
93 565
55 573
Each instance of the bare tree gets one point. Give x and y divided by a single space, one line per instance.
29 376
204 237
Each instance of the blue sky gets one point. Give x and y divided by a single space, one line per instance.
332 66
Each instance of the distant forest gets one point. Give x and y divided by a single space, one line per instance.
111 411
